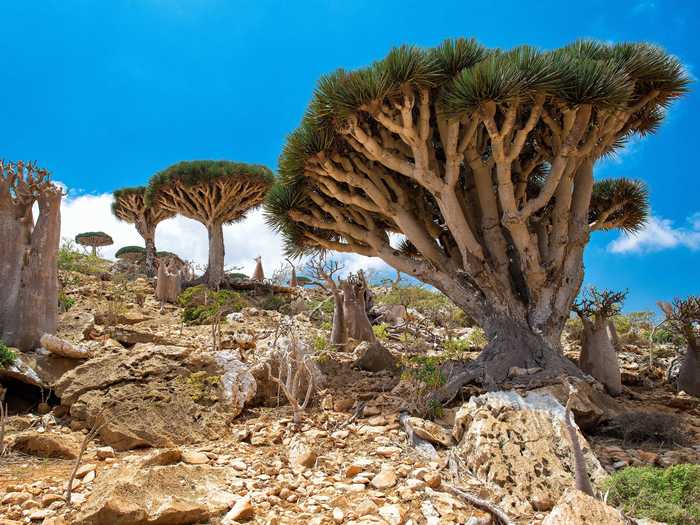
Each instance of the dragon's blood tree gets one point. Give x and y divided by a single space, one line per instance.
29 255
472 170
214 193
129 205
94 240
596 308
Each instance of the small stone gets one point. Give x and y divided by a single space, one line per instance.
105 452
338 515
193 457
392 514
242 510
365 508
48 499
385 479
84 469
15 498
388 452
301 454
90 476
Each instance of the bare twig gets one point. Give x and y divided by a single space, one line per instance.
3 419
582 482
481 503
94 430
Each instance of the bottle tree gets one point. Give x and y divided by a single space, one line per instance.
472 170
214 193
29 254
596 309
129 205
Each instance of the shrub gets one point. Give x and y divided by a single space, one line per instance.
426 376
381 331
326 325
65 302
200 304
7 356
71 260
670 495
320 344
273 302
635 428
432 304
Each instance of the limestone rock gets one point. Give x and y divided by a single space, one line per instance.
578 508
373 357
386 478
157 495
430 431
143 390
520 446
63 348
241 511
300 453
46 445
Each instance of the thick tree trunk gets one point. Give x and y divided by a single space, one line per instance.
339 332
215 270
14 236
94 251
37 302
516 355
598 357
614 337
689 375
150 256
354 311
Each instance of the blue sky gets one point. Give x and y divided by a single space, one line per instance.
106 93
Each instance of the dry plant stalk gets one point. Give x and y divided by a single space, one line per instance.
94 430
293 366
3 419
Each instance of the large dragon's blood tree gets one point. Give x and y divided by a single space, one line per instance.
29 254
129 205
213 193
482 162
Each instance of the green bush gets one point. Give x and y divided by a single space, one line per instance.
65 302
320 344
670 495
381 331
200 304
327 325
273 302
7 356
432 304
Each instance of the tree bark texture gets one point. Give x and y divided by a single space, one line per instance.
598 356
169 285
215 269
29 256
689 374
354 309
339 331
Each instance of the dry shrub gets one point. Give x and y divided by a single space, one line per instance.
635 428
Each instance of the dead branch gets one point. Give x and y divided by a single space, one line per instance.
3 419
582 482
481 503
94 430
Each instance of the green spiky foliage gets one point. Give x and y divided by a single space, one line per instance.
128 250
214 193
94 239
482 160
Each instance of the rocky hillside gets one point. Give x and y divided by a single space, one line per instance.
173 416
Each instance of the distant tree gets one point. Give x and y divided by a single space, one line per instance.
129 205
481 161
596 308
131 253
28 254
213 193
258 273
683 316
94 240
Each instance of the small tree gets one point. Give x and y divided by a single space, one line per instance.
598 356
131 253
482 160
683 316
129 205
213 193
323 272
94 240
258 273
293 281
28 254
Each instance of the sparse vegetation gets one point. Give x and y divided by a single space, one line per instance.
7 355
200 304
72 260
201 387
636 428
381 331
670 495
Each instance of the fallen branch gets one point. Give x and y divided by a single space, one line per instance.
94 430
359 410
582 482
480 503
63 348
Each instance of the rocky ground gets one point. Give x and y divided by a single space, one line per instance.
181 426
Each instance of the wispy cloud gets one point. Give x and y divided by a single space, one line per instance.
659 234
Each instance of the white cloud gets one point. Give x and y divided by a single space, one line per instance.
187 238
659 234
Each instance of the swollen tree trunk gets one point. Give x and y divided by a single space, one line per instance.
15 230
339 332
215 270
354 311
689 375
169 285
36 306
94 251
150 256
598 357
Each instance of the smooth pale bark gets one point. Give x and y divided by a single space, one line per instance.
598 356
14 231
689 374
215 269
258 273
150 256
169 285
35 311
339 332
354 311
